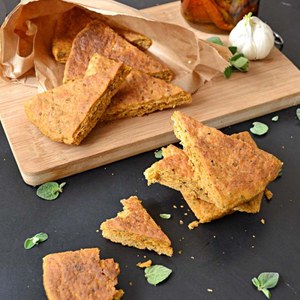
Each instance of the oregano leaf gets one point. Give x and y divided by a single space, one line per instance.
259 128
35 240
268 280
298 113
50 190
165 216
215 40
228 72
157 273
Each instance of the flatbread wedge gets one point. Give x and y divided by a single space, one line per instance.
69 112
70 23
80 275
135 227
143 94
175 172
97 37
229 170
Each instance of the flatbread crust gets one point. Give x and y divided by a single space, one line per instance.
229 170
143 94
80 275
70 23
69 112
135 227
97 37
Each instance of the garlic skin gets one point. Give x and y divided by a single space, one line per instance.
252 37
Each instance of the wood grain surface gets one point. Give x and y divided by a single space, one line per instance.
270 85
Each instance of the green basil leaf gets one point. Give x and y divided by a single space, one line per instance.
50 190
228 72
165 216
259 128
233 49
268 280
158 154
215 40
298 113
267 293
35 240
275 118
157 273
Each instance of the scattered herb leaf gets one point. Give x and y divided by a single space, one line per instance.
165 216
35 240
50 190
298 113
158 154
279 173
233 49
275 118
215 40
259 128
228 71
157 273
265 281
238 62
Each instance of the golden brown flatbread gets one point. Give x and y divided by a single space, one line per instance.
175 172
70 23
229 170
80 275
143 94
69 112
97 37
135 227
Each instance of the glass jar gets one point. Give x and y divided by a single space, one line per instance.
223 13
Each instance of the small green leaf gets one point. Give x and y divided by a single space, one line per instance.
268 280
35 240
50 190
275 118
215 40
241 64
41 237
298 113
236 57
267 293
233 49
158 154
259 128
157 273
165 216
228 72
256 282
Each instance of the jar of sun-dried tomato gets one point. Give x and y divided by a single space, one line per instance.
223 13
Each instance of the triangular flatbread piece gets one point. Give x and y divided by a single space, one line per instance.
97 37
70 23
175 172
229 170
69 112
143 94
135 227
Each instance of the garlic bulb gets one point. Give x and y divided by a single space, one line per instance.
252 37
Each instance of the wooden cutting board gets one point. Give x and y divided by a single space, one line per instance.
270 85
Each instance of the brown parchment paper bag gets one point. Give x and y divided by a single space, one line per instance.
26 38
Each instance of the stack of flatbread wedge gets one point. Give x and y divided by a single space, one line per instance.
98 56
217 174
